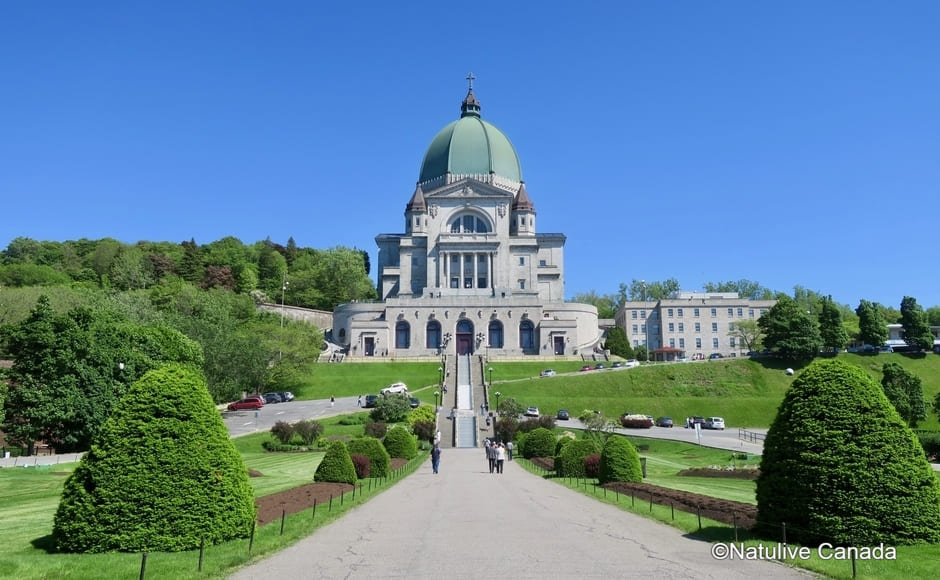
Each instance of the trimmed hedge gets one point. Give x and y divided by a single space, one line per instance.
337 465
372 448
400 443
619 461
161 474
570 462
841 466
539 442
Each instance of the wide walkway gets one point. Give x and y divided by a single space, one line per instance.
469 523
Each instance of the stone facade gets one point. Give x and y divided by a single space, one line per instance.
470 274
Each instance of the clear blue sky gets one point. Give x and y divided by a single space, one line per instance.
789 143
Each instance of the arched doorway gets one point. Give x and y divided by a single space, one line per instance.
464 337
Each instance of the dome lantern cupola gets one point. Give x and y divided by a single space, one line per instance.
470 148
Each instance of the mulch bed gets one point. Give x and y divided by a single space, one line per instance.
297 499
732 473
720 510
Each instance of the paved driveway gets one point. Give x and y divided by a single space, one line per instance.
469 523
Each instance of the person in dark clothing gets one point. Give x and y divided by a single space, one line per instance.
436 458
491 456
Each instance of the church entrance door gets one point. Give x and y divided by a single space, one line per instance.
464 337
559 344
368 345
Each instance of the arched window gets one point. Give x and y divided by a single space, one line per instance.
402 335
469 224
433 334
526 335
464 326
495 339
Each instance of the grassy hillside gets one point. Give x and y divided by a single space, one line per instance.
745 392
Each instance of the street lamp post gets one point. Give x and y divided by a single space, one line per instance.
647 324
491 376
283 292
496 394
437 401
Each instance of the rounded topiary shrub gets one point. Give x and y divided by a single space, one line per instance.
161 474
619 461
337 466
372 448
592 465
539 442
570 462
400 443
841 466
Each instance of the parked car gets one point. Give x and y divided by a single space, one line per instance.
270 398
631 363
415 403
532 412
548 373
664 422
586 368
682 359
369 401
395 388
616 365
715 355
715 423
563 415
253 402
696 420
599 367
286 396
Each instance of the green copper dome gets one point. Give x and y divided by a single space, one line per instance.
470 146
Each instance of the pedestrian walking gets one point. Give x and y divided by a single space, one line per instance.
436 458
500 457
509 450
359 401
482 409
491 457
332 400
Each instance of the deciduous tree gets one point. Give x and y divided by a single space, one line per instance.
905 391
917 333
831 329
872 328
790 330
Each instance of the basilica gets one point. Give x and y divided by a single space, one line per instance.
471 274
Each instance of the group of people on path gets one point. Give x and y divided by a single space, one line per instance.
496 454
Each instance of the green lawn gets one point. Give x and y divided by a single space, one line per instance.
745 392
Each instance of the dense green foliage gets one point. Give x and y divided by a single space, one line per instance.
617 343
162 474
905 391
506 428
379 459
318 278
872 326
400 443
831 330
391 409
539 442
570 461
839 465
70 369
283 432
308 431
790 330
337 465
423 413
619 461
917 333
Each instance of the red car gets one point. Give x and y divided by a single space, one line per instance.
247 403
586 368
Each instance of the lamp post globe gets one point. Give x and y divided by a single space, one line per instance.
496 394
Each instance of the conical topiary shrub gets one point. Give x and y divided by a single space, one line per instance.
337 465
161 475
840 465
619 461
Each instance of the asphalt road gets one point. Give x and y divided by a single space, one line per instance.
469 523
